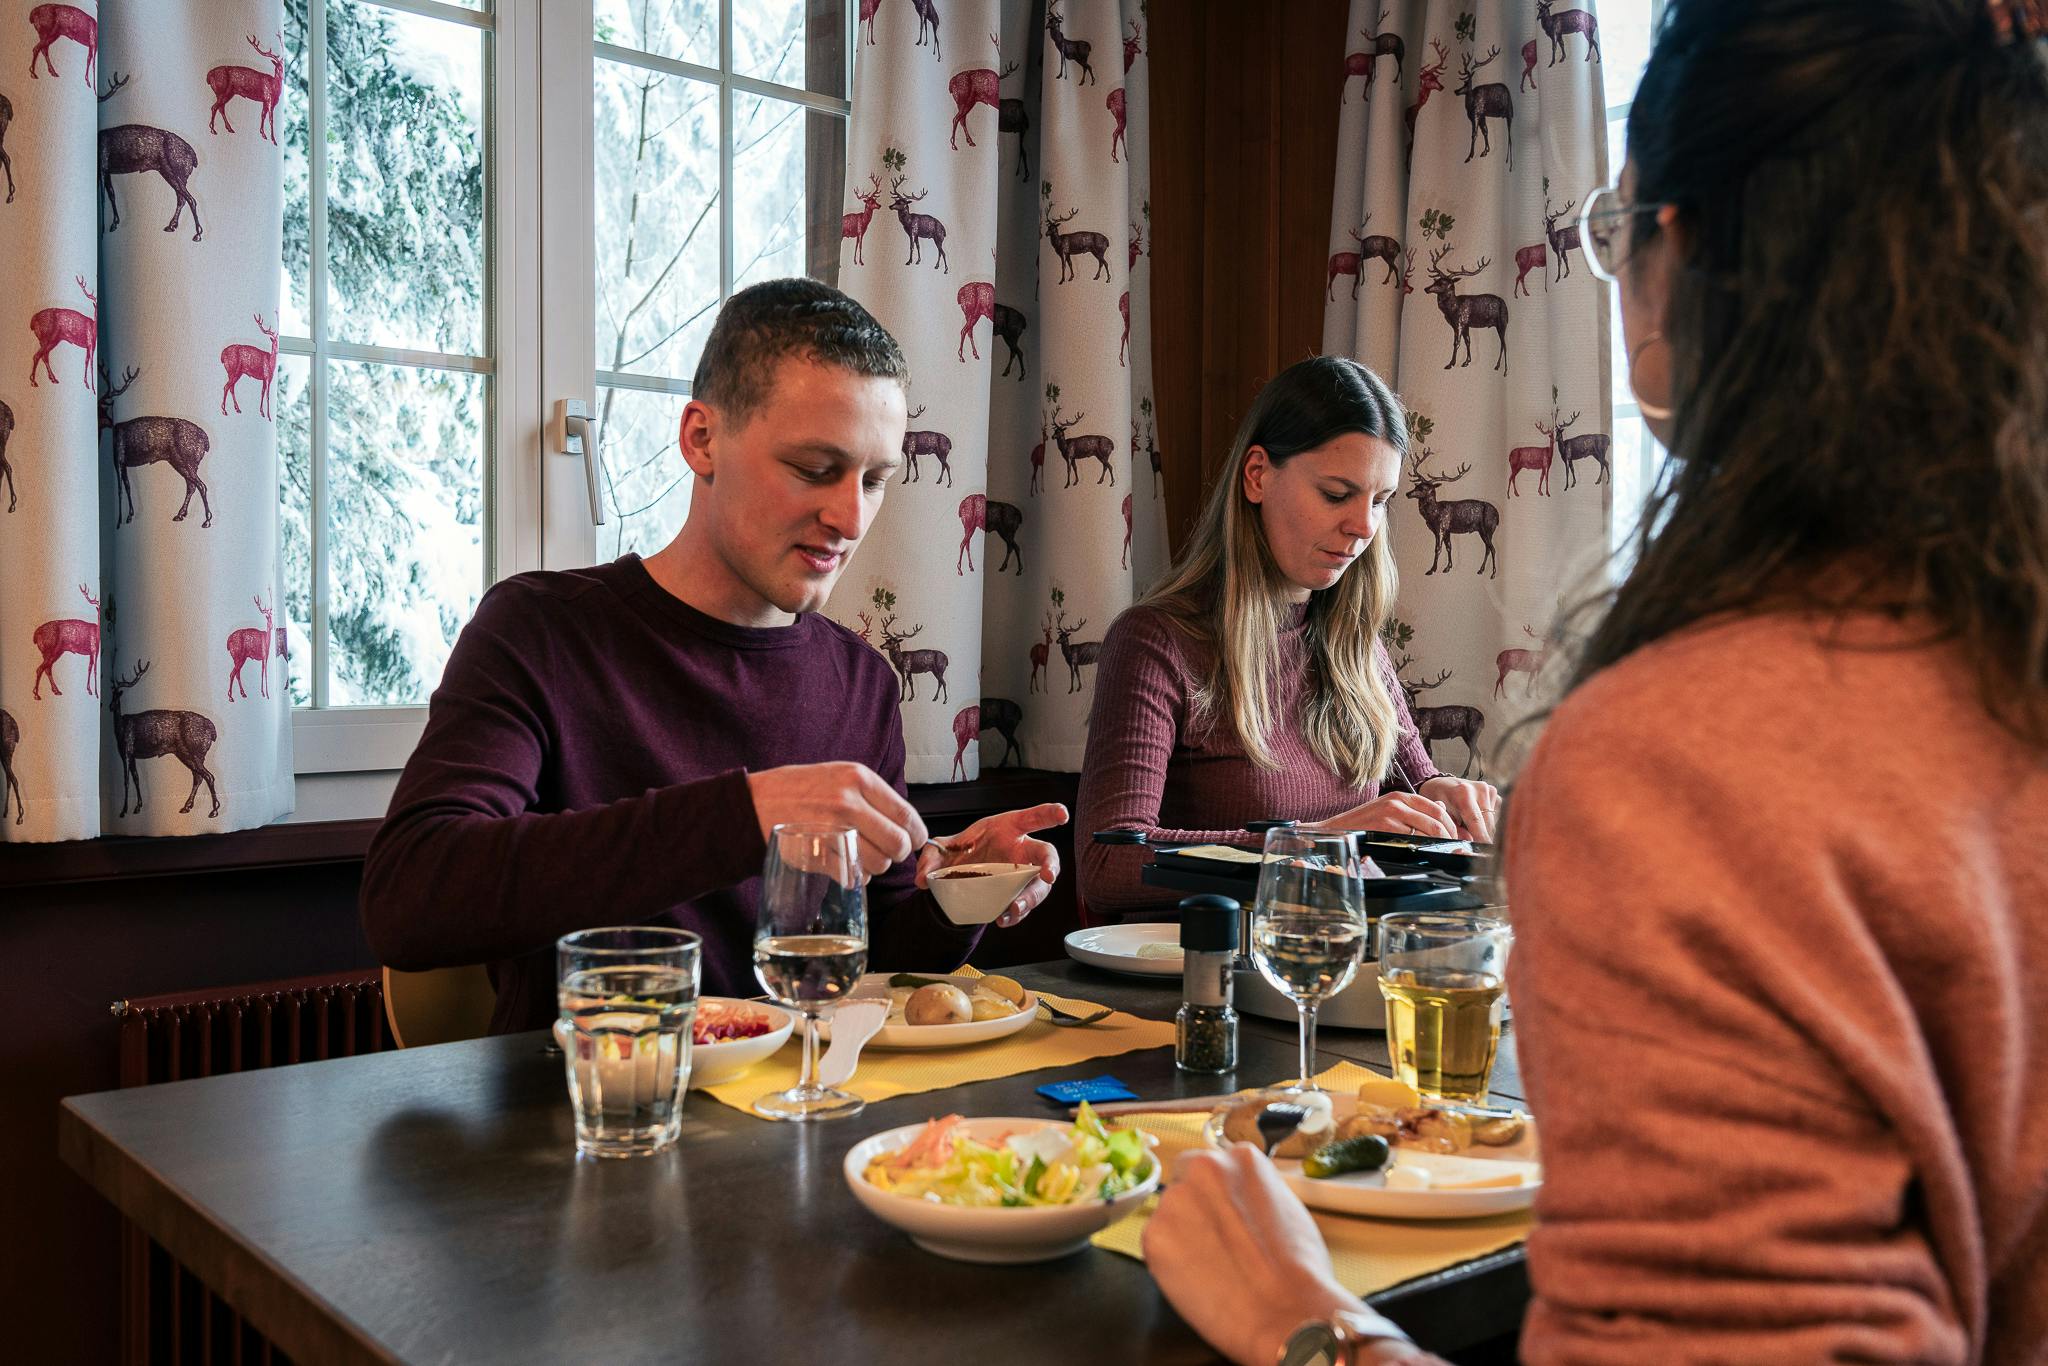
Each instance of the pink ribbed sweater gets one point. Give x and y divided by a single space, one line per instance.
1781 998
1146 768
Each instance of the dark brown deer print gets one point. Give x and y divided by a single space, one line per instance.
52 22
981 513
867 19
1431 80
174 441
1013 117
928 18
1065 244
1378 247
248 83
281 640
6 470
1127 532
247 643
1137 247
239 360
910 663
1530 258
1528 662
1445 723
1132 47
919 227
1528 66
978 87
1561 26
855 225
1009 325
1591 446
1076 448
113 87
1003 716
1535 458
1078 654
1040 653
134 148
966 725
977 301
935 444
1563 241
1152 454
1070 49
1483 102
1115 104
1464 517
1038 460
10 737
55 639
1123 306
1466 311
1366 63
183 735
6 161
53 327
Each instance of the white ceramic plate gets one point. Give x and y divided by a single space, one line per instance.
711 1063
1366 1193
876 986
1115 947
987 1235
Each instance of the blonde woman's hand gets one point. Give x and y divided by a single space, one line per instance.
1400 813
1472 805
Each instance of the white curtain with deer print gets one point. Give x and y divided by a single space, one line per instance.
1470 132
997 226
142 685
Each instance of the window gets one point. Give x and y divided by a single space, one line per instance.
1626 28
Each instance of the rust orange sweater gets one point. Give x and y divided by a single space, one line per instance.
1781 990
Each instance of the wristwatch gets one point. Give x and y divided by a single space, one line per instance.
1345 1339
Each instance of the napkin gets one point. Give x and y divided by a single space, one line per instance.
853 1024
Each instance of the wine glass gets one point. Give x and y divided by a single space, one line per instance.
810 948
1308 923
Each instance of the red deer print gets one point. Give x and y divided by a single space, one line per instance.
147 440
246 82
1003 716
1038 459
966 725
1070 49
971 88
1040 653
866 626
1592 446
855 225
1115 104
1065 244
1127 531
6 470
1123 306
1561 26
1343 263
6 162
55 326
134 148
52 22
184 735
1483 102
1528 259
1445 723
1529 65
1366 63
919 227
935 444
1535 458
973 518
979 513
1137 247
1407 271
55 639
1009 325
1432 80
10 736
1528 662
249 643
1465 517
1467 311
240 360
867 19
977 301
928 18
910 663
1077 448
1079 655
1563 241
1132 48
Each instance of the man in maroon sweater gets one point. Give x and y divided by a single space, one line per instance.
611 745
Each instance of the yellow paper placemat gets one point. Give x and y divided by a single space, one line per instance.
885 1073
1370 1255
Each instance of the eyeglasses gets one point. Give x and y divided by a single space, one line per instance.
1604 230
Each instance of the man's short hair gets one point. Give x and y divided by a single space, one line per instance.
764 323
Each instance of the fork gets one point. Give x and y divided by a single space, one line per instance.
1067 1019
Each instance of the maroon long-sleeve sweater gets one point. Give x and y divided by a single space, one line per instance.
584 763
1149 767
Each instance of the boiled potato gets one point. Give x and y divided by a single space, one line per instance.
1006 987
990 1008
941 1003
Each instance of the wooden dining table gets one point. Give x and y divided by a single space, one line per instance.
427 1206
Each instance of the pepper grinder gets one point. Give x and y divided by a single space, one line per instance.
1205 1029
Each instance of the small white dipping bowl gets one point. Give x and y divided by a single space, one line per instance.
711 1063
989 1235
978 900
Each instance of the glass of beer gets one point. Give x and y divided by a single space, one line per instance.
1443 975
810 949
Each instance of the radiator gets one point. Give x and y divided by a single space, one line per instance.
168 1318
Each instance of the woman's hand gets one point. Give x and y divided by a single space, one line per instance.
1402 813
1472 805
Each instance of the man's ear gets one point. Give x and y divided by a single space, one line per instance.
695 435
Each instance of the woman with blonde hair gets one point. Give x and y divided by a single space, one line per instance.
1251 685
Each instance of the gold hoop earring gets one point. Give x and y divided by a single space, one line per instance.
1648 409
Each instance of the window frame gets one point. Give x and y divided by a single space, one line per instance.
1625 410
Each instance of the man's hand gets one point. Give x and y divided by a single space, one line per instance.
850 795
1002 838
1472 805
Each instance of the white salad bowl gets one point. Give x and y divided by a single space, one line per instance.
711 1063
989 1235
978 900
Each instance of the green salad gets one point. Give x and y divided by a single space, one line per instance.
1053 1165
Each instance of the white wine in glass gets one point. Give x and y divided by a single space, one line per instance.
810 948
1308 924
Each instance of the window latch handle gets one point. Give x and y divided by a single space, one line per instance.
571 434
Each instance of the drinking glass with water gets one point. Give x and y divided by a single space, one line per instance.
1308 924
1443 975
628 997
